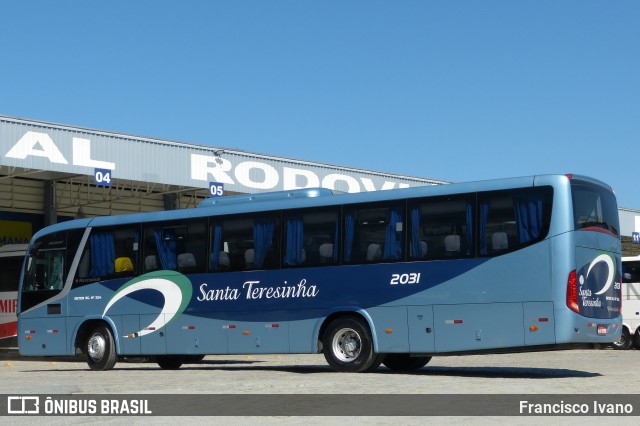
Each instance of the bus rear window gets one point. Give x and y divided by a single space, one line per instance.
594 207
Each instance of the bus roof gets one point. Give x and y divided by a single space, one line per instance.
316 197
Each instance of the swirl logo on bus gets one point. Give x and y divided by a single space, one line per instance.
608 262
174 287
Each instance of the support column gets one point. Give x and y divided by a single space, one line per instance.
50 210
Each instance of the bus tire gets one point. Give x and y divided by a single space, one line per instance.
625 340
101 349
405 362
170 362
348 346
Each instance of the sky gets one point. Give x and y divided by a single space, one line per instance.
450 90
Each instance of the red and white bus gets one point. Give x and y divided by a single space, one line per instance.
11 258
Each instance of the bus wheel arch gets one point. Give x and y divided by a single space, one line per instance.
347 343
96 341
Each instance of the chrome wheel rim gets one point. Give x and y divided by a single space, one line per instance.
347 344
96 347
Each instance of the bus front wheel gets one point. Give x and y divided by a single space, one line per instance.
348 346
101 349
625 340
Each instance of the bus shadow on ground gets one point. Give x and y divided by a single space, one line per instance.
254 365
479 372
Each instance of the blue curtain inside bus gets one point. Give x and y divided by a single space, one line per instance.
262 239
335 243
469 228
416 249
528 209
295 234
166 246
484 216
216 243
349 234
103 255
393 237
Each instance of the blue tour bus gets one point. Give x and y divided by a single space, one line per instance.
392 277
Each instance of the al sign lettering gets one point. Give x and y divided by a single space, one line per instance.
635 237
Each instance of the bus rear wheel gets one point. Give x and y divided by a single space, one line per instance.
405 362
101 349
625 340
348 346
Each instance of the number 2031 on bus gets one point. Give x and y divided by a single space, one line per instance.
410 278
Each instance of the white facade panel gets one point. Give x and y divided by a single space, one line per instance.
629 221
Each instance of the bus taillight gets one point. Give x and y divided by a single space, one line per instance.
572 292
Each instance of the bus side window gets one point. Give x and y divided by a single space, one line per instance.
374 234
230 240
49 261
498 231
245 243
109 253
311 238
510 220
441 228
179 246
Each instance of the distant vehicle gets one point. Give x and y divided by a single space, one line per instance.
392 277
11 258
630 335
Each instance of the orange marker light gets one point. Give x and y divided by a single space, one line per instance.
389 330
533 328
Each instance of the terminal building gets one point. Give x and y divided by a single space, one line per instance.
51 173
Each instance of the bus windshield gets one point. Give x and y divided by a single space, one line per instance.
594 207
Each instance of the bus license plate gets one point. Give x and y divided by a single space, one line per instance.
602 329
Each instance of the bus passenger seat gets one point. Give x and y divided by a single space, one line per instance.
374 252
249 257
150 263
452 245
326 253
500 241
424 249
123 264
224 264
186 261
